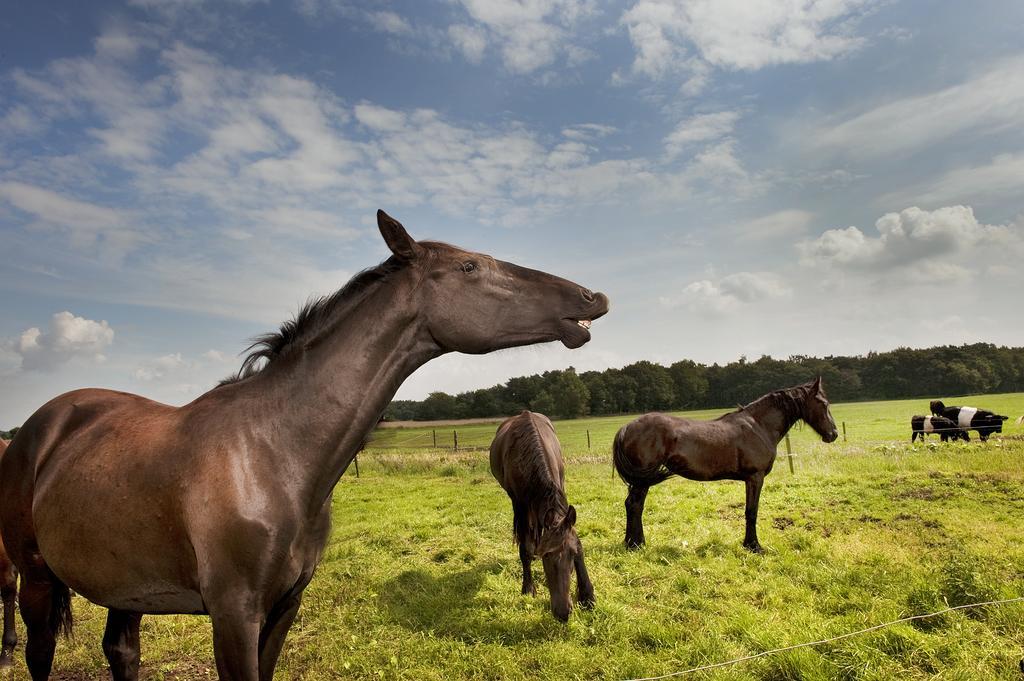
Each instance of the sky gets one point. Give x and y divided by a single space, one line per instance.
783 177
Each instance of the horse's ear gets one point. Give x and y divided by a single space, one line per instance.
549 518
398 240
570 516
817 384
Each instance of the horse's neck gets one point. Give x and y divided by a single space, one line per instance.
773 418
327 398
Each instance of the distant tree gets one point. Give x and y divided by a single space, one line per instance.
623 391
570 395
690 384
438 406
654 389
601 401
402 410
543 403
941 371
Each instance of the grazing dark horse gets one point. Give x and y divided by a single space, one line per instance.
8 591
971 418
223 506
923 425
526 460
740 445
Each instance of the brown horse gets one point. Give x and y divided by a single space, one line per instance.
740 445
223 506
8 591
526 460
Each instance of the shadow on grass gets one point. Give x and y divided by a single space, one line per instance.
446 605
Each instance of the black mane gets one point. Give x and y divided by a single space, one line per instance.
790 401
542 491
309 321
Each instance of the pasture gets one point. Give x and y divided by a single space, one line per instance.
420 579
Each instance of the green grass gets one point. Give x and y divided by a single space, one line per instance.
421 580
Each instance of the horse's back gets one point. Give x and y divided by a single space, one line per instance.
514 449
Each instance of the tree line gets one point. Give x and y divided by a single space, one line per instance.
646 386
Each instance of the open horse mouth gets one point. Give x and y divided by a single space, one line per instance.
576 330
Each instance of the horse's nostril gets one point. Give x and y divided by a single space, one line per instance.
587 294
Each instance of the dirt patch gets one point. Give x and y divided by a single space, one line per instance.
921 493
782 522
168 671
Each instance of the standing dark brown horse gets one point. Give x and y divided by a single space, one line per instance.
526 460
8 591
740 445
223 506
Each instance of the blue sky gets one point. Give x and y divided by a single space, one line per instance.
782 177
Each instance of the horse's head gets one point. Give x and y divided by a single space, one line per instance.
559 545
817 413
472 303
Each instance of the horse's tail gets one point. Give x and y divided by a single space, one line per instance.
631 474
61 621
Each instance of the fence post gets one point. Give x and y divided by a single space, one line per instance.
357 464
435 438
455 438
844 431
789 455
588 439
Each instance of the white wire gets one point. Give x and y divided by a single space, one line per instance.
826 640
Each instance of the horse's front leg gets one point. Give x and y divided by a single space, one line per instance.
272 637
236 633
584 587
754 484
527 560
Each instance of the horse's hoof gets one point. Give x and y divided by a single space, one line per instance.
633 544
529 591
754 548
587 602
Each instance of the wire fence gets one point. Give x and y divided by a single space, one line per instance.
808 644
477 437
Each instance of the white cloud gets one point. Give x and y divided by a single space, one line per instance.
989 102
917 243
729 293
689 36
586 131
159 368
389 22
470 40
67 337
1001 178
699 128
775 226
216 356
87 224
530 34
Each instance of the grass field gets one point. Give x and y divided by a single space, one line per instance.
421 579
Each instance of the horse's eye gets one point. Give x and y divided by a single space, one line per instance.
468 266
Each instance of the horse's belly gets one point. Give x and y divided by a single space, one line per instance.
153 599
130 556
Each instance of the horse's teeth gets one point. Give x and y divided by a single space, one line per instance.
585 323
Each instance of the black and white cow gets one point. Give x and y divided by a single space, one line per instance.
946 429
981 420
